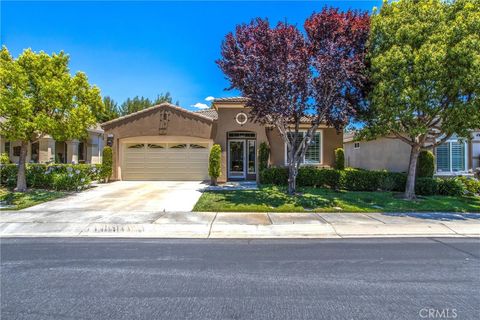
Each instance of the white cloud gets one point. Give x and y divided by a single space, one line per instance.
209 98
200 105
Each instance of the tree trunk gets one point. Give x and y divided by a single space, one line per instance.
292 178
21 175
213 181
412 173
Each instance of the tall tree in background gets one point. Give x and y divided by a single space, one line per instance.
39 96
139 103
164 97
135 104
288 76
111 110
425 71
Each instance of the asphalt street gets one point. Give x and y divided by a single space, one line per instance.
427 278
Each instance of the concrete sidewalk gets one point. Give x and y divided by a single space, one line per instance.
151 224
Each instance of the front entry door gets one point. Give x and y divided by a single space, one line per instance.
236 159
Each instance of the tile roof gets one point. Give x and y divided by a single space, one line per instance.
231 99
158 106
349 136
211 113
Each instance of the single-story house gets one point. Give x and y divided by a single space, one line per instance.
455 157
47 150
166 142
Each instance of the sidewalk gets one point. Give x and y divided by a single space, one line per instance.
150 224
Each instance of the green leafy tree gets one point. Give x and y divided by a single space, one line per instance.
39 96
164 97
215 164
135 104
111 110
424 61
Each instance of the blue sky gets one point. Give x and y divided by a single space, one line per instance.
145 48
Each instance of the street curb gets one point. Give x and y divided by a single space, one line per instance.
235 231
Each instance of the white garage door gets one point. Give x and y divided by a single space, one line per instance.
165 161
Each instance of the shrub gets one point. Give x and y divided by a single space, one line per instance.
472 185
71 181
348 179
4 158
339 159
215 163
274 175
42 175
264 153
8 175
426 186
451 187
392 181
38 176
107 164
426 164
362 180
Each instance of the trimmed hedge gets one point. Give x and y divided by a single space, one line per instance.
426 164
339 159
54 176
363 180
215 163
348 179
426 186
106 169
263 155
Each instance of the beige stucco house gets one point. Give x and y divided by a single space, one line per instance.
166 142
454 157
47 150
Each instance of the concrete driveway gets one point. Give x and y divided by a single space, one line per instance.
130 196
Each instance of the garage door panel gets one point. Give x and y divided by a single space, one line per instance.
159 161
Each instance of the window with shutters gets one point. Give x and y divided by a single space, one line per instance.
313 155
451 157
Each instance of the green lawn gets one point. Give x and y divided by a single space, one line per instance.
22 200
323 200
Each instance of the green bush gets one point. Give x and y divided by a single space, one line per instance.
274 175
107 164
472 185
426 164
362 180
70 181
451 187
339 159
41 176
8 175
348 179
426 186
4 158
215 163
264 153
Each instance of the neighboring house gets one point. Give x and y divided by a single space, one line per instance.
455 157
166 142
46 149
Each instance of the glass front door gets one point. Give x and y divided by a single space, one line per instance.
236 158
